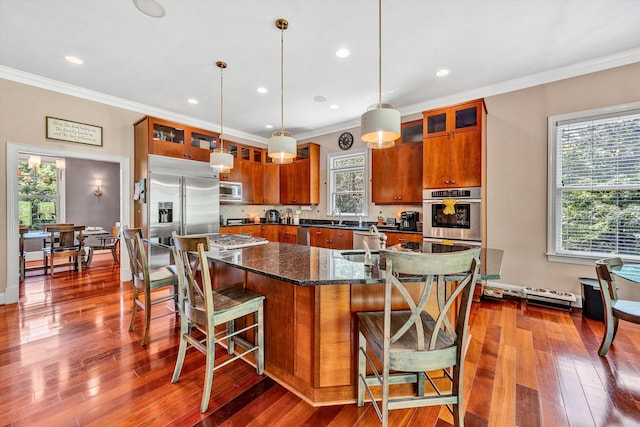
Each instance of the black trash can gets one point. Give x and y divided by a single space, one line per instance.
591 299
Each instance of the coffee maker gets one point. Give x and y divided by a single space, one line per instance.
272 216
409 221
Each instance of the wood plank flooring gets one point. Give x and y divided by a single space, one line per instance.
67 359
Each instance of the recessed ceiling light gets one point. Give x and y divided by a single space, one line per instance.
262 90
269 126
442 73
334 106
74 60
320 98
343 52
150 7
192 101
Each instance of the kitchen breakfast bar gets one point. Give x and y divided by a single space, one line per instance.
311 297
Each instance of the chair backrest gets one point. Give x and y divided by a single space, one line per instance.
432 268
137 254
608 287
188 265
63 237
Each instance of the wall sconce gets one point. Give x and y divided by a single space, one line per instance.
98 184
34 162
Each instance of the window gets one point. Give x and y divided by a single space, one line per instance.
594 184
347 183
38 193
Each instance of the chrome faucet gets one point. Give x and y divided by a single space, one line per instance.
337 212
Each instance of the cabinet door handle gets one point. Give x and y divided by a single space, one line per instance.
446 182
453 181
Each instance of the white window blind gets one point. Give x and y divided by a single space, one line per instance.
597 185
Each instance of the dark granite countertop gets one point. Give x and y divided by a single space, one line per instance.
312 266
347 226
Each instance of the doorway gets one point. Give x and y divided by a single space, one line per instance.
11 294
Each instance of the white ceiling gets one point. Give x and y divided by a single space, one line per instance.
153 65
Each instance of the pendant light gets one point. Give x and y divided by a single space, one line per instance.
380 125
282 146
221 159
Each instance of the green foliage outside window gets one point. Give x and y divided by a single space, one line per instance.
37 194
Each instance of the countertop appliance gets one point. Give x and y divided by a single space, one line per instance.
230 191
183 196
453 214
409 221
272 216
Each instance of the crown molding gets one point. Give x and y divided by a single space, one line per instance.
574 70
18 76
586 67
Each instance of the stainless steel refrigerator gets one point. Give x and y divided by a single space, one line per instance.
184 196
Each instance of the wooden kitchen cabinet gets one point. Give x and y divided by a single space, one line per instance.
270 232
332 238
164 138
288 234
452 147
271 184
397 171
300 180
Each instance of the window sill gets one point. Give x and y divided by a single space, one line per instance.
584 259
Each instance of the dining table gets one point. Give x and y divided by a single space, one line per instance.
41 234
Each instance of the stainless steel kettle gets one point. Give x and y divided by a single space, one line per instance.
272 216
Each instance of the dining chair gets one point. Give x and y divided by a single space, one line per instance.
409 342
147 280
64 241
110 242
202 309
614 309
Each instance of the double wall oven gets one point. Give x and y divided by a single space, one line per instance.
453 214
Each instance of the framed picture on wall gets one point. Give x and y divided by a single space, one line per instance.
66 130
139 191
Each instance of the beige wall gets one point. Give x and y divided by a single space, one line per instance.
23 109
517 158
517 171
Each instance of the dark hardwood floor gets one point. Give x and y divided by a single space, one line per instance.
67 359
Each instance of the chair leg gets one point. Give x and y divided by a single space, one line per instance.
420 379
362 367
260 340
385 396
134 309
114 254
89 257
147 316
208 374
182 349
456 389
609 333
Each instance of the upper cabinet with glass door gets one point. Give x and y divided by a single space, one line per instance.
457 118
169 139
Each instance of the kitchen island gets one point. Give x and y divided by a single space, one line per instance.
311 297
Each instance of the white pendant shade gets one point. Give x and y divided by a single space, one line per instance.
282 148
380 127
221 160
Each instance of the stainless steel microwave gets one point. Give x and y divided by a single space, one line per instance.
230 191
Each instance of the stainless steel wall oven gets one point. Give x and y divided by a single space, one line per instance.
453 214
